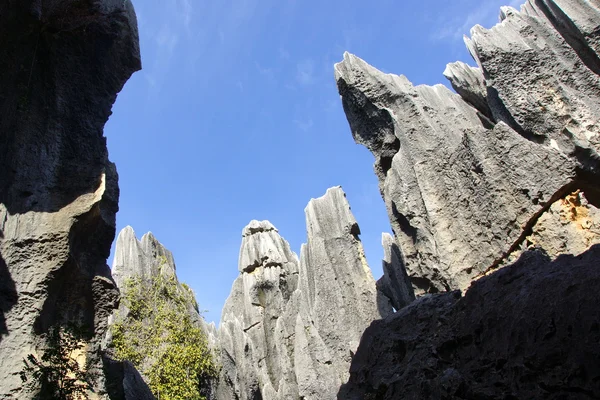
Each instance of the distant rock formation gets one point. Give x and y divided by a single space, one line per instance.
144 261
471 180
289 327
506 171
62 64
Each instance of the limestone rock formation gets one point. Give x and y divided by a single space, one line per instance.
505 173
395 283
144 261
61 66
471 179
290 326
528 331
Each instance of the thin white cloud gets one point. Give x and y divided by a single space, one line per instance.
166 39
304 124
305 74
486 13
268 73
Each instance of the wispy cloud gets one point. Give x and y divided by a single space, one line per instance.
304 125
305 74
266 72
485 13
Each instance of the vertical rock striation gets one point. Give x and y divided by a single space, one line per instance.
289 326
506 171
144 261
471 179
61 66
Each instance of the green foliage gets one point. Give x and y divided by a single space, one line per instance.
161 339
57 373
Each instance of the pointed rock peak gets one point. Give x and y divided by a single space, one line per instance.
144 258
262 246
149 237
258 226
350 67
330 215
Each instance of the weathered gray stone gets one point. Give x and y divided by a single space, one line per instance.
528 331
289 327
147 259
395 284
470 85
542 76
62 64
467 195
463 191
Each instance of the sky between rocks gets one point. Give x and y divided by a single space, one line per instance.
236 116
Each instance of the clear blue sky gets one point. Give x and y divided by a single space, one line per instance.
235 116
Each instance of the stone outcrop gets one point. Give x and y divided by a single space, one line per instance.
471 180
395 283
290 326
502 173
61 66
529 331
144 261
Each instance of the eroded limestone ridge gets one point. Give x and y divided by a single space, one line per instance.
290 326
470 180
145 271
62 64
506 170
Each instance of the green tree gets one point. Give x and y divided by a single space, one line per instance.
57 373
160 337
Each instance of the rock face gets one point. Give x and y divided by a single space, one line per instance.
395 283
289 326
61 66
471 180
145 260
529 331
503 174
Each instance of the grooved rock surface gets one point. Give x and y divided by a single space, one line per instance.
528 331
395 283
145 260
62 64
469 179
503 174
290 326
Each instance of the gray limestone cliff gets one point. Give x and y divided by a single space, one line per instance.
493 190
470 180
290 326
62 64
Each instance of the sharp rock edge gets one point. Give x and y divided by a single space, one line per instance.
61 66
290 326
505 170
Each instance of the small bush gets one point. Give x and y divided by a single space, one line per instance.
57 373
161 339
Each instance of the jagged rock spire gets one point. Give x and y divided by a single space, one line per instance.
289 327
464 184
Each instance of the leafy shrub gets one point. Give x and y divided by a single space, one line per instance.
57 373
161 339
